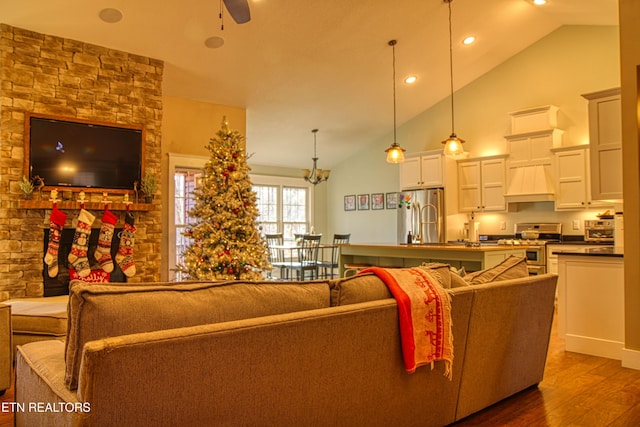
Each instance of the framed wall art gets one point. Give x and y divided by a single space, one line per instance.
350 202
363 202
392 200
377 201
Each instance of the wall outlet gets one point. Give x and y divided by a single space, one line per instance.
576 224
503 225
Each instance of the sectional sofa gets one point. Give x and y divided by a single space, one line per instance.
278 353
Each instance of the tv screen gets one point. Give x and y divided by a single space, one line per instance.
83 154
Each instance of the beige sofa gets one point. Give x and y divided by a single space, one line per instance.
314 354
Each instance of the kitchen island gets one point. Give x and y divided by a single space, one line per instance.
591 300
472 258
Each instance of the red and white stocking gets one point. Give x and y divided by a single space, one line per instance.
124 257
78 255
103 251
56 224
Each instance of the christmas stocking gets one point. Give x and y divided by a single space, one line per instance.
103 251
124 257
78 255
56 223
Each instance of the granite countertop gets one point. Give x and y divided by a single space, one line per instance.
609 251
449 246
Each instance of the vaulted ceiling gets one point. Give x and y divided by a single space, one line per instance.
299 65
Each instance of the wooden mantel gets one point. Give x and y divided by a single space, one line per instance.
114 206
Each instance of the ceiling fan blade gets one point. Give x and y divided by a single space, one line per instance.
239 10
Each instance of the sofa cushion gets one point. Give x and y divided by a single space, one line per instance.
39 316
511 268
359 288
99 311
369 287
440 271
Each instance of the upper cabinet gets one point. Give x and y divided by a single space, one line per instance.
573 191
422 170
605 142
481 184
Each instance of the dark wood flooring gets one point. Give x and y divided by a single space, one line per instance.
577 390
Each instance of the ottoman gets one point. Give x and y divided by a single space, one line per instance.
38 319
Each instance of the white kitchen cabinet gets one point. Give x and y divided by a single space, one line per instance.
605 141
481 184
572 179
422 170
591 304
533 148
552 259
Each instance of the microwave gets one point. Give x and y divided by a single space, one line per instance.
599 230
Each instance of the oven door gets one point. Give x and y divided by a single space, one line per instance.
535 255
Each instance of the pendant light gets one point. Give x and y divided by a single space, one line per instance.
395 153
315 176
453 144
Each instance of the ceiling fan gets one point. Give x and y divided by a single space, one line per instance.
239 10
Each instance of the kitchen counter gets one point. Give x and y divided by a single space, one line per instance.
606 251
591 300
456 254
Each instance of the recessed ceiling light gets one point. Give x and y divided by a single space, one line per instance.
410 79
214 42
469 40
110 15
539 2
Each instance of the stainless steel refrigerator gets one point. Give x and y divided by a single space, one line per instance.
421 213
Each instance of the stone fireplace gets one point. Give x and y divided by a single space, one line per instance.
51 75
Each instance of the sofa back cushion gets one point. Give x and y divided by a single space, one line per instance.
369 287
101 311
359 288
512 267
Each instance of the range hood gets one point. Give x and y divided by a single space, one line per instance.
530 184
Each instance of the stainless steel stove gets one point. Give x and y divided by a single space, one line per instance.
535 247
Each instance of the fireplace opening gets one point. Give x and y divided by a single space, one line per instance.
59 285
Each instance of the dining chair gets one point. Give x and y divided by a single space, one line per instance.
329 266
307 257
276 254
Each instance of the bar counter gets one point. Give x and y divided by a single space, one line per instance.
396 255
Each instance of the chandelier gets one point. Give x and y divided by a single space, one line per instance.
395 153
315 175
453 144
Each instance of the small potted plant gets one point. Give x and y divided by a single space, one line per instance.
149 186
27 188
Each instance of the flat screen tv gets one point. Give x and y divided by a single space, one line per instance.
76 153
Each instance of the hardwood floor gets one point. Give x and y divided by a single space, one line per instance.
577 390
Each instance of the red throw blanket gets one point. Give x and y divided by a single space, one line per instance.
424 311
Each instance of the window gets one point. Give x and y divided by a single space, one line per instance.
284 205
185 181
186 171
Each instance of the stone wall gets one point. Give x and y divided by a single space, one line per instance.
68 78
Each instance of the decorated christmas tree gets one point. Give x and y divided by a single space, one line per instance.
226 243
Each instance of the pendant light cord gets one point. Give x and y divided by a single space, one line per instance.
451 66
393 43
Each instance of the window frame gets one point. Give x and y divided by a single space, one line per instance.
283 181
